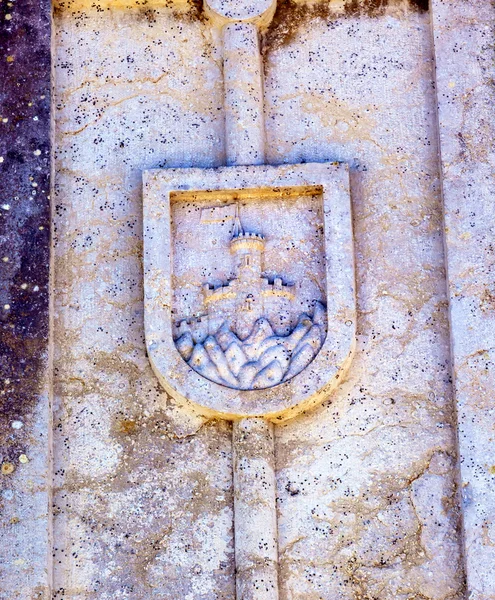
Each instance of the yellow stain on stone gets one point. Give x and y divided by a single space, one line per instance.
127 426
19 562
7 468
73 5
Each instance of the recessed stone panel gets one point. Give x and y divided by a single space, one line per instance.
244 267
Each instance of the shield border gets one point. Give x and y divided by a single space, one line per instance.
322 375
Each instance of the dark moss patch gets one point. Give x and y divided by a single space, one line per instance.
196 10
378 7
421 5
288 18
24 215
291 16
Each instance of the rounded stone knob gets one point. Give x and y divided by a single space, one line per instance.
250 11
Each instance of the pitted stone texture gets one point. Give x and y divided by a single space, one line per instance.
367 501
465 58
256 536
157 525
243 95
258 11
143 491
353 474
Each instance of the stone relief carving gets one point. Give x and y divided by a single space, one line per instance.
249 335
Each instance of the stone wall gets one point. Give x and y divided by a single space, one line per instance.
143 499
464 35
366 483
368 503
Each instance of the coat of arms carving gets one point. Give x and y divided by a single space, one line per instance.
249 283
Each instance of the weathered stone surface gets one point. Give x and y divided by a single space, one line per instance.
360 509
143 490
24 253
256 535
228 11
366 483
243 92
465 56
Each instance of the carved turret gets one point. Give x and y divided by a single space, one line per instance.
246 242
248 249
241 301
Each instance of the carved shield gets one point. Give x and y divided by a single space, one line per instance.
249 285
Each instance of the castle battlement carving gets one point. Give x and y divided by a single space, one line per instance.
249 335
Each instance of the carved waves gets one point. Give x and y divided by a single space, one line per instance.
260 361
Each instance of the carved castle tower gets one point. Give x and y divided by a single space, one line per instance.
242 301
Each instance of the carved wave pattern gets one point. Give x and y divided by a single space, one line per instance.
260 361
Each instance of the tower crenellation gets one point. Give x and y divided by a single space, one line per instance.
250 295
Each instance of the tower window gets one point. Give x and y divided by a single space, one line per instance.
249 302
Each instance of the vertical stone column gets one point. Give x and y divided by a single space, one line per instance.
240 21
243 81
255 515
464 53
25 410
256 552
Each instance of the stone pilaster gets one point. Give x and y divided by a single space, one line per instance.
243 82
256 551
463 36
